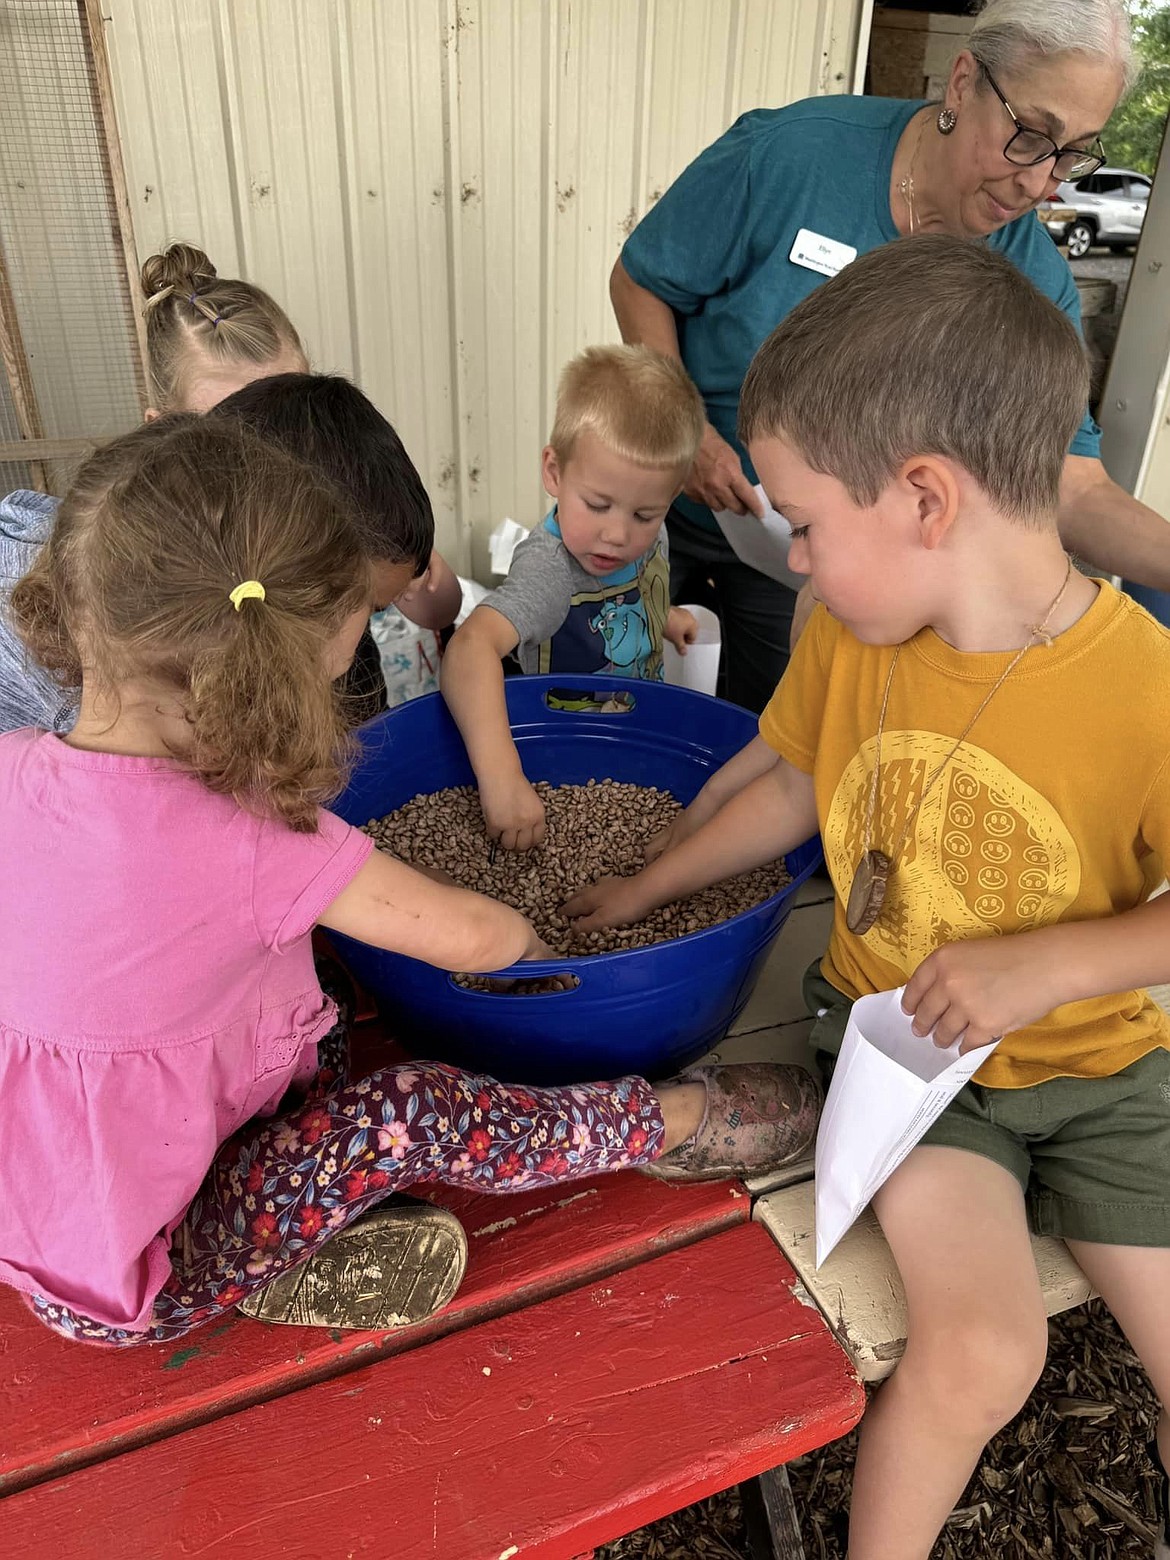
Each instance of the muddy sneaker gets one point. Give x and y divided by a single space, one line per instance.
759 1116
394 1267
1162 1542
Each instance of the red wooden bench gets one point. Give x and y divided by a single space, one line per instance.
619 1348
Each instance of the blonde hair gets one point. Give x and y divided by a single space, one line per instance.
641 405
192 314
929 345
135 581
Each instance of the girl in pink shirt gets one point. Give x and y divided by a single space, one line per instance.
163 867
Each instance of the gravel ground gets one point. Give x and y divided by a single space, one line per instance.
1068 1479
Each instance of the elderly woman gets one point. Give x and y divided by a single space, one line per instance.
790 195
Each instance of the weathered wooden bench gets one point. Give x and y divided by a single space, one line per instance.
859 1290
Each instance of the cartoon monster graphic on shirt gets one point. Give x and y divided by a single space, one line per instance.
616 626
622 624
631 629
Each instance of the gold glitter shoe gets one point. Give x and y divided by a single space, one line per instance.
394 1267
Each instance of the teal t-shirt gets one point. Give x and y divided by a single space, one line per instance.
716 246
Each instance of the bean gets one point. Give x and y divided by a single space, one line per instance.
594 830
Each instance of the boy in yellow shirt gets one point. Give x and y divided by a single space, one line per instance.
980 734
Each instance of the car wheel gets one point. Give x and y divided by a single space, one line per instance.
1080 239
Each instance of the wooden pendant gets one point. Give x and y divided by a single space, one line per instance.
867 894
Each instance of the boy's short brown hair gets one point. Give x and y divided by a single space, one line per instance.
929 345
640 404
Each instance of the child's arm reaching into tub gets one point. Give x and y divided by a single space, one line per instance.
757 758
770 815
472 680
392 906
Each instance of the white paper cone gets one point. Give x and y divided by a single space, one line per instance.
889 1086
699 668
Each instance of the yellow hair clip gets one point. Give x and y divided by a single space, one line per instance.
246 590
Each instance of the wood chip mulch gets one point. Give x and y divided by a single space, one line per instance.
1068 1477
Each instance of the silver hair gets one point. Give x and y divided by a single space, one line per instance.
1007 32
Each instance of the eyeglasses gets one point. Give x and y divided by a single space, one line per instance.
1029 147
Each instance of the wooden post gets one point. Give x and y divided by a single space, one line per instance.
770 1514
20 383
115 171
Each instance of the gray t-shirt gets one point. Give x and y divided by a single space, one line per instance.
28 695
571 621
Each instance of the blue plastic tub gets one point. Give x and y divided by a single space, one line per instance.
639 1010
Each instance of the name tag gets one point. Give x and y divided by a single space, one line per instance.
817 253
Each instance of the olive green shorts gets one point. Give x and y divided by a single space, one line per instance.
1091 1154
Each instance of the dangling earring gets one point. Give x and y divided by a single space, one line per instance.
947 120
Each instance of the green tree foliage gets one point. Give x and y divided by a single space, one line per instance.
1134 136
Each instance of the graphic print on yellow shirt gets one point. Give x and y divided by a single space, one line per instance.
984 847
1056 806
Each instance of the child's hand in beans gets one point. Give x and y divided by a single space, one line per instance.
675 832
611 901
513 813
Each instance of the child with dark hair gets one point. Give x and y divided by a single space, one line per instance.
325 420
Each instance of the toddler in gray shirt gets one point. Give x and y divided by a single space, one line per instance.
588 589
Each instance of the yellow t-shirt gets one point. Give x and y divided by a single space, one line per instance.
1055 808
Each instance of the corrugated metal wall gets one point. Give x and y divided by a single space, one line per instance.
436 189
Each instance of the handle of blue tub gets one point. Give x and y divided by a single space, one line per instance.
528 969
528 698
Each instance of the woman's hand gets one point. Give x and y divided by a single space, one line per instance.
981 989
717 478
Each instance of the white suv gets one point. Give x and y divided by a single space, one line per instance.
1110 206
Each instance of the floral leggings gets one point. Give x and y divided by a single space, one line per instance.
281 1187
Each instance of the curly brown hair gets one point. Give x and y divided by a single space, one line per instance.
135 580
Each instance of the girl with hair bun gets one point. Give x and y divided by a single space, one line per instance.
208 338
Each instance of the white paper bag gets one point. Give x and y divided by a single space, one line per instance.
761 544
699 668
888 1087
502 543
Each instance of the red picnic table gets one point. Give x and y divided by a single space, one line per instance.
619 1348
